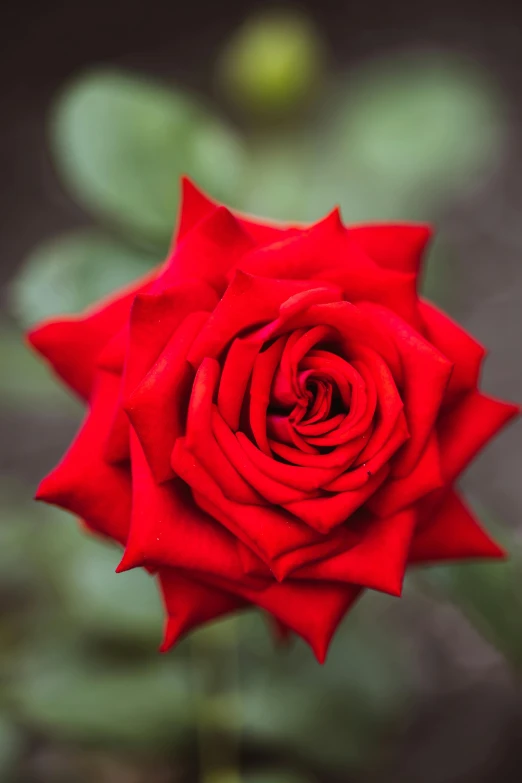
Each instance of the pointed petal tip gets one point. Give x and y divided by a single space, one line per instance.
514 410
39 336
279 570
48 489
132 558
195 204
396 585
320 651
171 635
498 552
331 222
189 188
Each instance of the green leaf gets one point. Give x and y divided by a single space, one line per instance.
410 131
140 706
441 275
27 382
121 144
279 173
361 691
67 274
10 746
488 593
122 607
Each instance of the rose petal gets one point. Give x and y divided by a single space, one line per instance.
168 529
157 406
153 320
358 474
323 514
311 610
83 482
398 493
267 531
326 252
457 345
190 603
112 356
263 372
274 491
64 340
207 252
357 329
314 471
196 205
465 429
426 376
251 302
208 449
452 533
378 559
394 246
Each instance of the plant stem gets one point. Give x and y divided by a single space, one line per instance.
216 656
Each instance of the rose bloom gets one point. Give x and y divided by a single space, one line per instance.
275 419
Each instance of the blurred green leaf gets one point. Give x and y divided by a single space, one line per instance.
67 274
117 605
141 706
409 131
362 691
18 517
125 607
279 174
272 64
121 144
27 382
44 547
489 593
10 746
440 280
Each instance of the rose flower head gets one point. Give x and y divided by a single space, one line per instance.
275 418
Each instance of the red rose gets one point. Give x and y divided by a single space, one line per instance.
275 418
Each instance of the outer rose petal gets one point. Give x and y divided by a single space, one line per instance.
461 349
377 561
153 320
168 529
452 534
157 405
64 340
207 252
425 477
325 252
196 205
465 429
310 609
394 246
84 482
190 603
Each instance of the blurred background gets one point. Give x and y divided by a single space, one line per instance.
392 110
